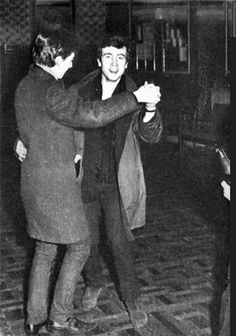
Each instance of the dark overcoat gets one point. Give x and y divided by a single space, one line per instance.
128 131
51 195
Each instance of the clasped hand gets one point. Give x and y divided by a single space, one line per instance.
149 94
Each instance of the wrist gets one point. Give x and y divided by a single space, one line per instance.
150 110
148 115
150 107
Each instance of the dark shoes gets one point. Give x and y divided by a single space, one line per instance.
90 297
72 326
33 329
138 317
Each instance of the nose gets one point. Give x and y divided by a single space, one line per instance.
114 62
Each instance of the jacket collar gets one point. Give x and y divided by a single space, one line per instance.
36 71
97 85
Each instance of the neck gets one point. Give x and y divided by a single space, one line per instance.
108 87
48 70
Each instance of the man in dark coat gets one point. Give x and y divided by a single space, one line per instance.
113 179
113 185
50 193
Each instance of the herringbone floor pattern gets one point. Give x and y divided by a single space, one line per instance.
180 253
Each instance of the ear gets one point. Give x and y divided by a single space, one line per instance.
99 62
126 65
58 60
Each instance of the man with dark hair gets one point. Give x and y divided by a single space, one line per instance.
113 184
51 195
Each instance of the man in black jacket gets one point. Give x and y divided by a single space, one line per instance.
110 179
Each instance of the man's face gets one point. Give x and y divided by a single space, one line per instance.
113 63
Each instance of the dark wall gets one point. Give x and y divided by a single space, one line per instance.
117 18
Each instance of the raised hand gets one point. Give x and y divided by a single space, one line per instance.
148 93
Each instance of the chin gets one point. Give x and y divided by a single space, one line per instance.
114 78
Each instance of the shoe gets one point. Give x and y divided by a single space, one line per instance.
72 326
32 329
90 297
138 317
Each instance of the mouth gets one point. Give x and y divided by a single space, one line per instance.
114 72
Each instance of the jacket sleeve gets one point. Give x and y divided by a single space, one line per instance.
69 109
148 131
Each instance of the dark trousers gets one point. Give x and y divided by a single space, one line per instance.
108 205
225 313
62 305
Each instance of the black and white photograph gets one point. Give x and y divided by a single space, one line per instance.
115 158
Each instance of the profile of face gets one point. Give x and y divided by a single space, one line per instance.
63 65
113 63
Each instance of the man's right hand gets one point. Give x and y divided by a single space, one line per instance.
148 93
20 150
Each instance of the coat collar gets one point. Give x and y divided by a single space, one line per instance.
37 72
97 85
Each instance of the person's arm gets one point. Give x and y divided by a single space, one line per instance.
68 108
148 125
150 109
150 131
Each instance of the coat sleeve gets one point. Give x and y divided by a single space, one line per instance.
69 109
148 131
